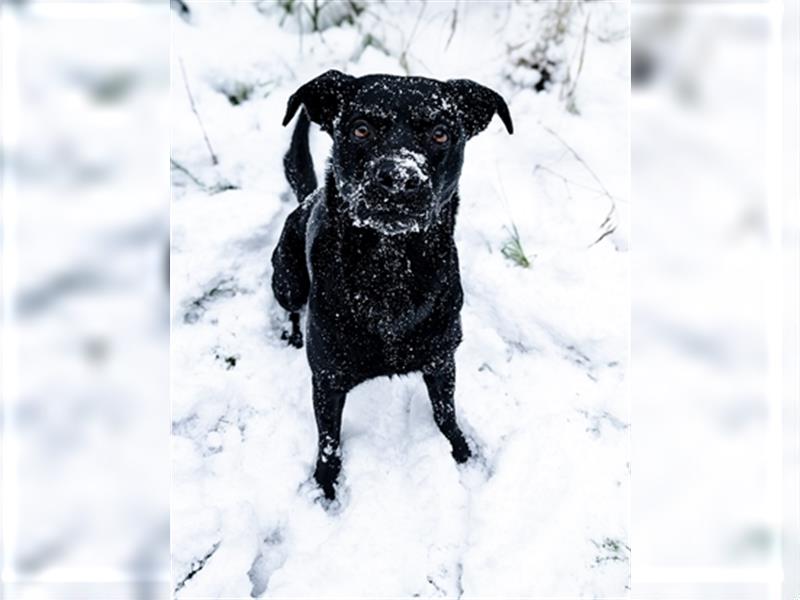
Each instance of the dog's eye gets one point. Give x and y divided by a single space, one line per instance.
361 131
440 135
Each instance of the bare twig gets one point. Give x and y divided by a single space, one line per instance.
214 160
583 51
563 179
404 54
222 185
610 214
453 25
604 235
567 180
179 167
197 566
509 7
572 83
608 222
416 25
580 160
313 15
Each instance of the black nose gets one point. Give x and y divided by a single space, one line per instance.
393 178
412 184
385 176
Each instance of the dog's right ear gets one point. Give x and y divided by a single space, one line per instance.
322 97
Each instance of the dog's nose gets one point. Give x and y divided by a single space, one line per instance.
396 179
412 184
386 176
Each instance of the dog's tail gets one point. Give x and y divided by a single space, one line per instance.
297 162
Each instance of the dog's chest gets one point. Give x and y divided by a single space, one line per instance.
389 288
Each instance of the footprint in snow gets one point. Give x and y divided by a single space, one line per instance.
475 472
272 555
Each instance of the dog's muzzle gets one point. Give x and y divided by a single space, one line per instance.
396 196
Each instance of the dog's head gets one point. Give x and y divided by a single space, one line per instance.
398 142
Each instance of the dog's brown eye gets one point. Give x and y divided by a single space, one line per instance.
361 131
440 135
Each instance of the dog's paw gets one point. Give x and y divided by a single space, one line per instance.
477 470
461 451
294 338
332 504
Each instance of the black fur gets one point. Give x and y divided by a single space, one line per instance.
372 253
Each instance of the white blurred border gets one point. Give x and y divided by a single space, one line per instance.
68 582
9 370
781 578
790 226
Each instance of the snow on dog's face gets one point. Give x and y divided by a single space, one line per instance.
398 142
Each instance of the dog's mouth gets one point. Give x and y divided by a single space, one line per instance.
387 214
391 221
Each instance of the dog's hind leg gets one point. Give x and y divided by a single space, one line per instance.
441 387
328 408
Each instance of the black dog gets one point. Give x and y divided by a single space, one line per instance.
372 251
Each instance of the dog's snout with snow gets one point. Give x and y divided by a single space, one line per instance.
401 185
399 175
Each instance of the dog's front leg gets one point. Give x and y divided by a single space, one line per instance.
328 407
441 385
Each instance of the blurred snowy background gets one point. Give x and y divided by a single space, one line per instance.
714 297
85 372
542 235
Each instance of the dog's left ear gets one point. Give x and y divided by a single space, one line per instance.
478 104
322 97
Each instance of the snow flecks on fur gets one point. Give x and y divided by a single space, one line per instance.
397 226
410 163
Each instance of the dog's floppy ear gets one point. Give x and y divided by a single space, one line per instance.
478 104
322 98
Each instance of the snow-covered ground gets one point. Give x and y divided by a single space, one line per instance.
542 369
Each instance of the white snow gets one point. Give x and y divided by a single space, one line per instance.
409 163
541 372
